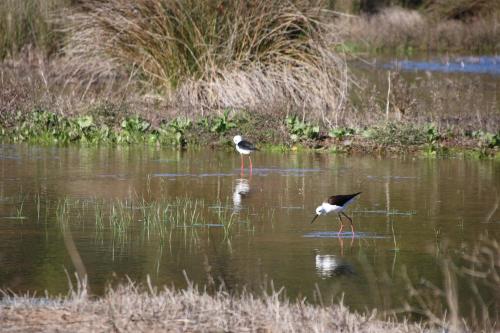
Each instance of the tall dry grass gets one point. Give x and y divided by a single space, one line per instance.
212 54
395 28
461 9
391 28
30 24
130 308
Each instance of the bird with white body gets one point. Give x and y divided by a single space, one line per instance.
244 148
336 204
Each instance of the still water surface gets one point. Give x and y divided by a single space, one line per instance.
409 210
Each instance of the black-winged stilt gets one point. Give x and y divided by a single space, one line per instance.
244 148
336 204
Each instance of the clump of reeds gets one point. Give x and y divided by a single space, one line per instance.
213 54
29 23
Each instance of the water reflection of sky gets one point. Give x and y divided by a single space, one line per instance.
476 65
349 235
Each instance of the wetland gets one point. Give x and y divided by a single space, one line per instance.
123 206
134 212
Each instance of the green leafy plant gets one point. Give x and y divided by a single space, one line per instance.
175 131
341 133
433 135
486 139
204 123
82 128
300 130
222 123
133 129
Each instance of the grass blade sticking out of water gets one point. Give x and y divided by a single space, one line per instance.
123 219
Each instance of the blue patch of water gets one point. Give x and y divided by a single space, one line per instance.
165 161
345 234
202 225
283 172
217 174
475 65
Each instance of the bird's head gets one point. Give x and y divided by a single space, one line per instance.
319 211
237 139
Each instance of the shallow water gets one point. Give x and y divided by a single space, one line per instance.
476 65
410 209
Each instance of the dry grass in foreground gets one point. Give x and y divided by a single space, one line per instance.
131 309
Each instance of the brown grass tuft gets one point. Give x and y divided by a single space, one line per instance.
212 55
131 309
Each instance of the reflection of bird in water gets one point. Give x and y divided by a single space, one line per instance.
328 265
241 190
336 204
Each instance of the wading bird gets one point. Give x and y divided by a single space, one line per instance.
244 148
336 204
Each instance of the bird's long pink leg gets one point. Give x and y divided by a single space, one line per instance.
242 164
341 242
350 220
250 162
341 224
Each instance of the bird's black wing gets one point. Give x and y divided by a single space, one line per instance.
246 145
341 199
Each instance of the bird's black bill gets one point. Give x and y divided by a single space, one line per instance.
314 218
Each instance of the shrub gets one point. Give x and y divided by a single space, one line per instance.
213 54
